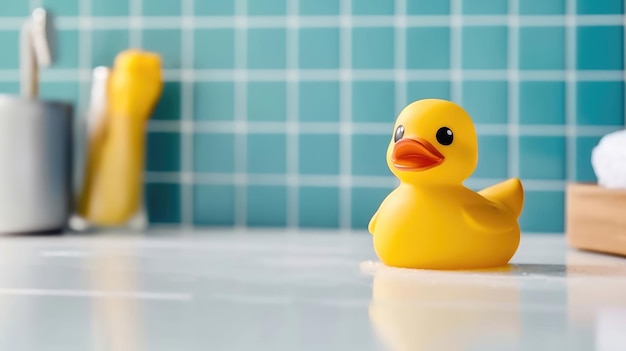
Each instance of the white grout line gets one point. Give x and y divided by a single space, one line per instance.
84 74
400 75
241 127
135 23
11 23
292 127
84 53
241 52
187 115
173 22
331 180
345 125
165 126
455 74
135 295
221 75
513 90
570 95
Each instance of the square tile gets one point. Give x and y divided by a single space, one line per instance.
60 91
542 48
57 7
162 203
595 7
485 47
10 40
213 152
267 7
163 8
542 102
319 7
266 206
214 7
110 44
214 48
486 101
418 90
267 101
318 207
213 205
365 202
163 152
267 153
14 8
168 106
541 7
544 212
318 101
9 88
369 154
373 7
214 101
427 7
110 7
485 7
428 47
267 48
600 47
372 48
600 103
493 157
542 157
584 169
318 48
165 42
66 54
373 101
318 154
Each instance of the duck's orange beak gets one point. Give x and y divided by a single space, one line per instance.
415 155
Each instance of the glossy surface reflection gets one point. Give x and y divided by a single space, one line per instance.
267 290
417 310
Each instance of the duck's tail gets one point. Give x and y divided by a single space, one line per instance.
510 193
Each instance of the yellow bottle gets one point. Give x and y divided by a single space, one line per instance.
112 189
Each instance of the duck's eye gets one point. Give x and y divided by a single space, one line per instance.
399 134
445 136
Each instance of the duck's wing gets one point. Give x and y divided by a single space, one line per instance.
488 216
509 193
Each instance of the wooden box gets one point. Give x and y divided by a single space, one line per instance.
596 218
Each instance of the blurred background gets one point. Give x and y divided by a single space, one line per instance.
278 112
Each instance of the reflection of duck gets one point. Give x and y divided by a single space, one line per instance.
431 220
420 310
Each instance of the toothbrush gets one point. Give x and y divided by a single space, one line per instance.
35 51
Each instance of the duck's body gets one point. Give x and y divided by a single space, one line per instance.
445 227
431 220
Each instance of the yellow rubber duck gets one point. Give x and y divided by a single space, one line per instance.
431 220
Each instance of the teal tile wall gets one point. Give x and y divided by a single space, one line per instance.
213 205
278 112
311 215
542 102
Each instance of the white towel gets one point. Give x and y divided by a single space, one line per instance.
608 160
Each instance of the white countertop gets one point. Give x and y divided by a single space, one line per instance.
264 290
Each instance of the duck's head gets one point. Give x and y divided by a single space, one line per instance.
433 141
